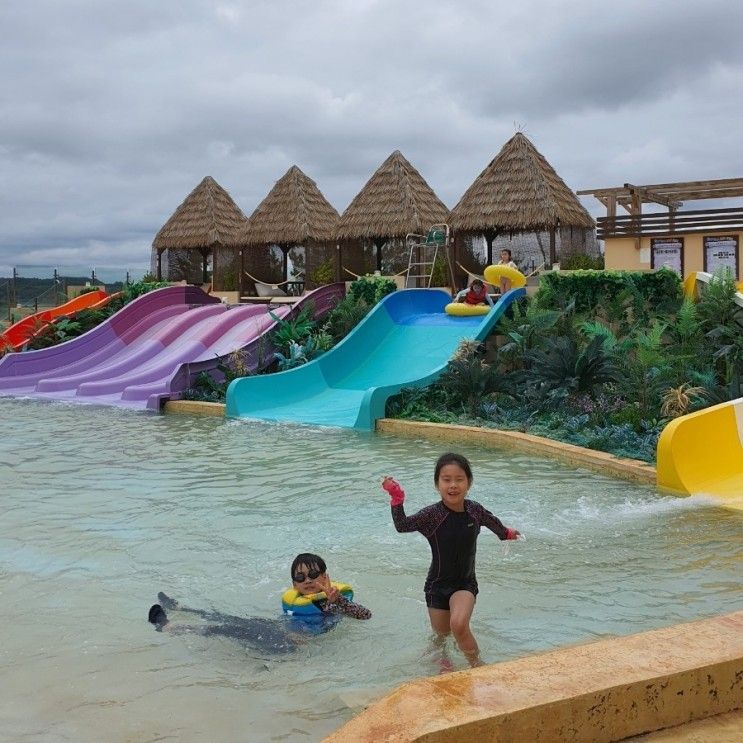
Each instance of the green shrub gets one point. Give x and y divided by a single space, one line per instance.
345 316
371 288
582 262
324 273
592 289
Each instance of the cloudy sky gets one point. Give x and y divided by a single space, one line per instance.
112 111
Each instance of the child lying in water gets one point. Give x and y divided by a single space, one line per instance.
309 578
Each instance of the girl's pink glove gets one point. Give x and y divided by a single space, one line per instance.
397 494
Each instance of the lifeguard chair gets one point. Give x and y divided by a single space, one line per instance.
422 255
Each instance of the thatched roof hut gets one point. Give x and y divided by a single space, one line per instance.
519 191
395 201
293 213
207 220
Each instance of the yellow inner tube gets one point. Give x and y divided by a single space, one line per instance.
462 309
493 275
292 597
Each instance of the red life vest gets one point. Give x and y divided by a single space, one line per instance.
473 297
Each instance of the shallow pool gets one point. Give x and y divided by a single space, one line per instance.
101 508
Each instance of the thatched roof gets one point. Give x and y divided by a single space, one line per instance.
519 191
396 200
294 212
208 216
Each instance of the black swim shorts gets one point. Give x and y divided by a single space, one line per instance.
437 597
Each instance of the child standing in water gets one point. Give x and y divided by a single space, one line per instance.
451 527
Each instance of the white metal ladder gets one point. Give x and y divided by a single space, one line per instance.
424 249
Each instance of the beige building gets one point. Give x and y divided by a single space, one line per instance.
683 240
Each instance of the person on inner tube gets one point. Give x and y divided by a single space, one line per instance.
476 293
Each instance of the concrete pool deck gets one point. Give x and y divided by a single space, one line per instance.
603 691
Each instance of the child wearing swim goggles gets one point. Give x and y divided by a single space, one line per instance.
309 575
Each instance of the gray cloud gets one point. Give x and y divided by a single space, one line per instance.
110 113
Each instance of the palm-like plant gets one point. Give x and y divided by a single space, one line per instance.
646 369
561 364
293 330
345 316
525 329
679 400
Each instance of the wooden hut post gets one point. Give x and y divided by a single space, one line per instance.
285 260
159 265
240 272
490 236
553 247
379 243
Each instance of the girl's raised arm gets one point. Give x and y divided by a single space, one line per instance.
495 525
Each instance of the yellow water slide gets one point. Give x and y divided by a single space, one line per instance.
702 453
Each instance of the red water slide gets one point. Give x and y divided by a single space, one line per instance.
18 334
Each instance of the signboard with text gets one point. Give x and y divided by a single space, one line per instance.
720 253
668 252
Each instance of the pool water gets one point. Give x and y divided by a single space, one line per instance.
102 508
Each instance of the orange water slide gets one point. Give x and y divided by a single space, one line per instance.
18 334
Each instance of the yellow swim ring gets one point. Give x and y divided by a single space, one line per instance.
293 602
462 309
493 275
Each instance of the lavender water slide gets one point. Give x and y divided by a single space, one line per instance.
132 359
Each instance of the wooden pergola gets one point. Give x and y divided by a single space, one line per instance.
631 197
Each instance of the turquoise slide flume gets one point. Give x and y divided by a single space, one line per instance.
405 341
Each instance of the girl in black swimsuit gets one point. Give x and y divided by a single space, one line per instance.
451 527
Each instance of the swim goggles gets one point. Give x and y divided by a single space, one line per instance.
311 574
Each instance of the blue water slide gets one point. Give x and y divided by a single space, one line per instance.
405 341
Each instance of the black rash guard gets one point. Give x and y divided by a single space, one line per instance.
453 539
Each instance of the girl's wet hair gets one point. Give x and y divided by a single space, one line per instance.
310 561
451 458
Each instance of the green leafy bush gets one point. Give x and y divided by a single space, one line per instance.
561 364
591 289
582 262
324 273
345 316
371 288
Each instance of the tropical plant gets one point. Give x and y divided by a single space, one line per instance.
580 261
561 364
300 353
371 288
679 400
294 329
324 273
524 329
686 330
646 369
468 379
345 316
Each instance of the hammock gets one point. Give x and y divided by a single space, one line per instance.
358 276
268 283
471 276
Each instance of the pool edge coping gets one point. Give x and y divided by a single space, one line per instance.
594 692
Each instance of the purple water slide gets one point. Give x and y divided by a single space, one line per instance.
20 372
256 353
133 359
